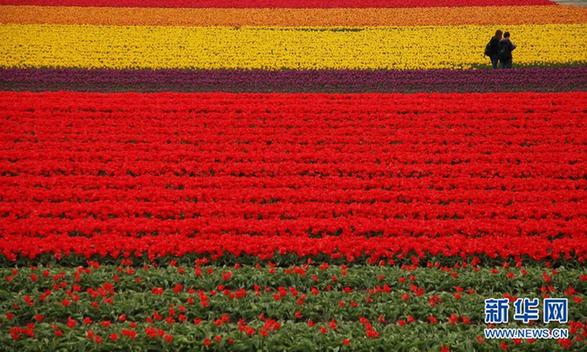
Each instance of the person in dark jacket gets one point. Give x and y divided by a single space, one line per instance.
492 48
505 51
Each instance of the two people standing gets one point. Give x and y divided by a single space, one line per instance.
499 49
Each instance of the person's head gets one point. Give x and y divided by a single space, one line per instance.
506 35
498 33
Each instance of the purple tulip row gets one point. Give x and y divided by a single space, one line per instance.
546 79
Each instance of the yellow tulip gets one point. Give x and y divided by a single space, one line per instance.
273 48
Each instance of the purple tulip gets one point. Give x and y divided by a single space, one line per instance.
482 80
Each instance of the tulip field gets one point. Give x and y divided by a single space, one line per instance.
290 175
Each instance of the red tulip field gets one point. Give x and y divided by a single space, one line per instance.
354 206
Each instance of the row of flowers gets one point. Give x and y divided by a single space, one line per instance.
519 79
285 209
431 190
269 335
283 155
277 3
525 150
273 48
287 17
334 188
279 147
574 171
288 225
121 182
292 249
369 105
177 276
355 308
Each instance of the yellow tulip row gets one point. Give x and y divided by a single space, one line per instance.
425 47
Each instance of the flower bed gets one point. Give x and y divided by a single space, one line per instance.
276 3
546 79
337 176
214 174
208 307
278 48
